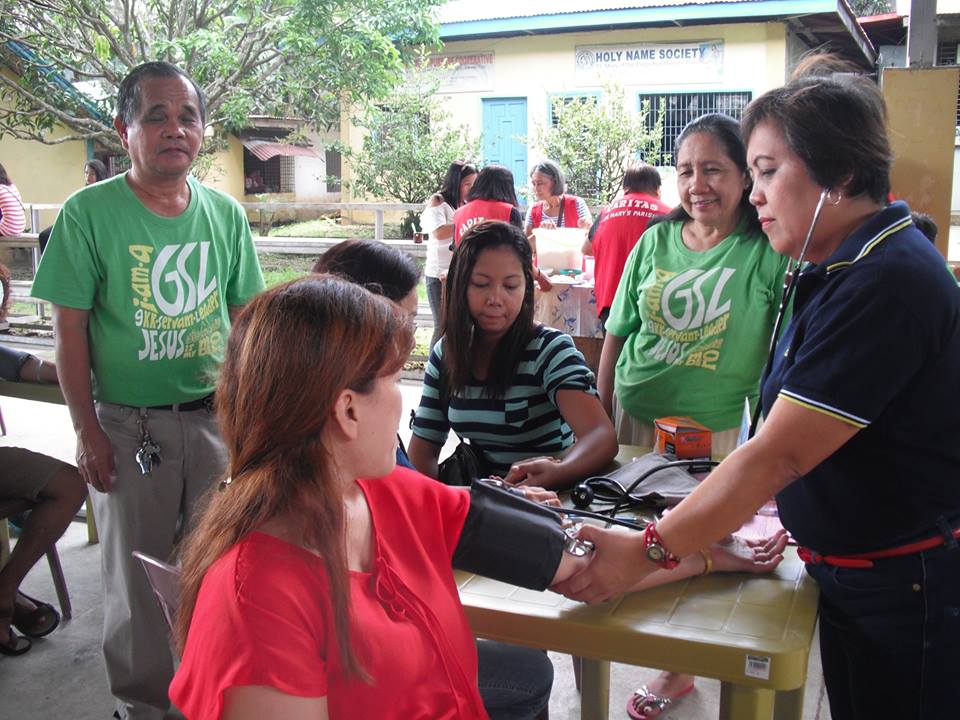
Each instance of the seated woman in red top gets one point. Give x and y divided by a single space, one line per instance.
308 592
302 582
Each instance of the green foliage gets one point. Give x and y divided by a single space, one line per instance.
285 58
594 141
864 8
409 143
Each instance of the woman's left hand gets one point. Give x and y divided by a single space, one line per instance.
543 472
755 556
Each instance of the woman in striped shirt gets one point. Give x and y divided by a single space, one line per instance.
12 218
519 391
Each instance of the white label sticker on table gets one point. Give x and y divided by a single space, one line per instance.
757 667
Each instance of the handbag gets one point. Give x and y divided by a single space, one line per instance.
462 467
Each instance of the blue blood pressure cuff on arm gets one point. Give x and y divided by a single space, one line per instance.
509 538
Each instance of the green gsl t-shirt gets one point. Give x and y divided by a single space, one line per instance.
697 325
157 288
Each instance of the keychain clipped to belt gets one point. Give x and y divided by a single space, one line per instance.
148 453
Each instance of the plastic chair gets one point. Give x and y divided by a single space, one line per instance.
165 582
15 506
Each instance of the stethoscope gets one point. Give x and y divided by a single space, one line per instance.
612 492
788 292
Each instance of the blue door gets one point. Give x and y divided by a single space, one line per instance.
504 119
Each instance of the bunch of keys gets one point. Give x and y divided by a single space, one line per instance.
149 452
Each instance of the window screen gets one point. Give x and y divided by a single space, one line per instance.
681 108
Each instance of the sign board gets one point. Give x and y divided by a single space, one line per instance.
697 61
466 72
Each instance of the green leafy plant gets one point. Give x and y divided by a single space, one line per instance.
408 145
594 141
282 58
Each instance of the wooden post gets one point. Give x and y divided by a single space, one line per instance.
921 122
922 34
378 226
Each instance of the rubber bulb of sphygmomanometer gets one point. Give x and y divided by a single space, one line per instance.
582 496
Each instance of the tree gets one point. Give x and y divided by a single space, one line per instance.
286 58
409 143
594 140
865 8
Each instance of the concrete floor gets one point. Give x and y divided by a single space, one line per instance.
63 676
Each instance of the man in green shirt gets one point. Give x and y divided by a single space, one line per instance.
143 271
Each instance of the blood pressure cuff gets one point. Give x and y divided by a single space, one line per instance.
10 363
509 538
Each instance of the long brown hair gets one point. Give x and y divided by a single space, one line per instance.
291 352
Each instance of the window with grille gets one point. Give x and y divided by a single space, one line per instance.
681 108
948 53
334 170
566 99
287 174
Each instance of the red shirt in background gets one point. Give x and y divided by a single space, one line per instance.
568 210
263 617
477 211
621 225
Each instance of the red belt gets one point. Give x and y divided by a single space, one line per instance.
865 560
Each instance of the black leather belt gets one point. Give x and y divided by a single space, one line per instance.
204 403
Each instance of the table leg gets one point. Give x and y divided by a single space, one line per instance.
788 705
594 689
92 537
4 542
738 702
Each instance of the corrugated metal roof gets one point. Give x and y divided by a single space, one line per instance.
471 10
265 150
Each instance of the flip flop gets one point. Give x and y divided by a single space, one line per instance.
36 623
15 645
643 704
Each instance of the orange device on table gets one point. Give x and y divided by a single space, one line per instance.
681 436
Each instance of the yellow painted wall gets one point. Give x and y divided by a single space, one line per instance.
44 173
537 66
921 119
226 173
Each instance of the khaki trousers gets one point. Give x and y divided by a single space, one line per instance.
147 513
631 431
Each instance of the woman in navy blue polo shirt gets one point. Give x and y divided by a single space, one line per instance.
860 443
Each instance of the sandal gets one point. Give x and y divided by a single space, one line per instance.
36 623
643 704
14 644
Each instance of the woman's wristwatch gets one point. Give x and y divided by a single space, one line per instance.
655 550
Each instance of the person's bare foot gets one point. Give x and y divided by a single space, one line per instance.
654 697
34 618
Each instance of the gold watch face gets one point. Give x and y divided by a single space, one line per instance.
656 553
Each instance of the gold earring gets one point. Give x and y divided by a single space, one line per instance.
834 197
